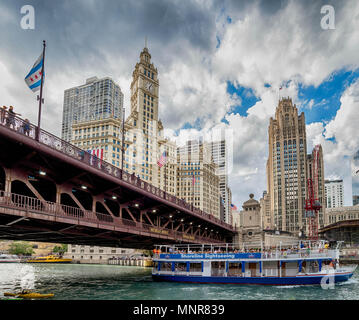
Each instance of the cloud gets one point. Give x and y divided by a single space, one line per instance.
198 47
338 138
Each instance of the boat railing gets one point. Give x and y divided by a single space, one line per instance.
249 248
301 253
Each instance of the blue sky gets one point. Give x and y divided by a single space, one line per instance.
326 96
319 104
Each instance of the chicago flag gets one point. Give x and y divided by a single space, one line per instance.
34 77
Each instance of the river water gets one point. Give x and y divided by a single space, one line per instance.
111 282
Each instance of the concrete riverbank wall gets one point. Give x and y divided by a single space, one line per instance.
131 262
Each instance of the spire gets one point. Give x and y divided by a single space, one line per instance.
145 56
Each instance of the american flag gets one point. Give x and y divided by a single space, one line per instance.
162 161
193 180
233 207
96 152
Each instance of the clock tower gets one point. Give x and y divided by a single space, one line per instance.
143 127
145 88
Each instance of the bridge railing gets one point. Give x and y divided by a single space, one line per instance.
36 205
22 126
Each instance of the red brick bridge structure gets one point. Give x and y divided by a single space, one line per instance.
52 191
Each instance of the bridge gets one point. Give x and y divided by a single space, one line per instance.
52 191
344 230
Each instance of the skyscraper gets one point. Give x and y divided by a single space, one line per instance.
334 193
197 181
315 172
144 128
219 151
100 137
95 100
286 167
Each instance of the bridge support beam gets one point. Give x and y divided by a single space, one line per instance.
68 190
7 180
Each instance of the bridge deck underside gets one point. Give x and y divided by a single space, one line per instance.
25 155
40 230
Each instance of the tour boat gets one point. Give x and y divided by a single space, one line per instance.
7 258
28 294
49 259
303 263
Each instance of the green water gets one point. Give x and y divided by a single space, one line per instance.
108 282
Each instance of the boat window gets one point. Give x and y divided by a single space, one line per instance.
218 268
195 267
166 266
181 266
234 268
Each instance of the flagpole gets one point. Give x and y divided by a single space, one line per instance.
193 183
164 168
41 86
123 140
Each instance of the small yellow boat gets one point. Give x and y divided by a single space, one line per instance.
26 294
49 259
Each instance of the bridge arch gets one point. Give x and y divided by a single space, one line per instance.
113 206
100 208
85 198
66 200
46 188
20 187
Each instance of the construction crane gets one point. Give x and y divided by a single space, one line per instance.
312 204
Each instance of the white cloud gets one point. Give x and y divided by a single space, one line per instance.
282 48
344 129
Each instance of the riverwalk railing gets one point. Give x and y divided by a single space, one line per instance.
57 210
26 128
